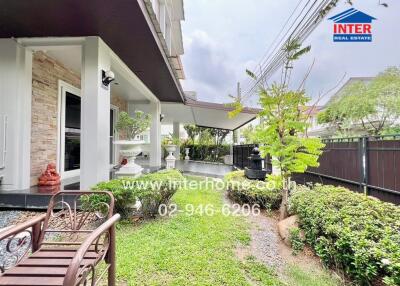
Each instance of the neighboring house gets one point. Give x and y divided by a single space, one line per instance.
314 129
55 104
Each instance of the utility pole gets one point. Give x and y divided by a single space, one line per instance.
236 133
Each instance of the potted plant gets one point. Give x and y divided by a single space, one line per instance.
129 127
171 145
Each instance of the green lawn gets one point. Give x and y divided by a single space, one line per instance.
188 250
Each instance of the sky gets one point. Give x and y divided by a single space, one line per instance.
223 38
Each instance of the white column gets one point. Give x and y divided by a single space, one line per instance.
155 135
95 114
15 104
176 133
238 142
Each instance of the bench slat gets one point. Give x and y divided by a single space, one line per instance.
51 262
31 280
35 271
56 249
60 254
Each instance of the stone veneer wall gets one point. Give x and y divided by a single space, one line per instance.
46 72
45 75
119 102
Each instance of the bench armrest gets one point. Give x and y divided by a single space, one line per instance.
19 239
107 229
22 226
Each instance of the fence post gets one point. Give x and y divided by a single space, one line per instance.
241 157
363 148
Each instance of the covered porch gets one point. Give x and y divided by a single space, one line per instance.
59 109
56 105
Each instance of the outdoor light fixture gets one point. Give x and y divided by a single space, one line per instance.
107 77
161 117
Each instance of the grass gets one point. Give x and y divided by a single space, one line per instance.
300 277
192 249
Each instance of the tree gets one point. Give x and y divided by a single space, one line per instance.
132 126
219 135
374 106
283 123
192 131
248 134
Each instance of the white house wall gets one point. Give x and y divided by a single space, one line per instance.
15 103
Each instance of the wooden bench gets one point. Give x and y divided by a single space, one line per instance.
72 244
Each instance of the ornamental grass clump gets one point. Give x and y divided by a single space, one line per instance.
245 191
351 231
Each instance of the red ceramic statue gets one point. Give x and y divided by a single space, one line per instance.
50 177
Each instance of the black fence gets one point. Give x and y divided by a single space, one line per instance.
241 154
368 165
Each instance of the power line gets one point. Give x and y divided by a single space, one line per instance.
302 30
270 68
268 51
306 29
271 51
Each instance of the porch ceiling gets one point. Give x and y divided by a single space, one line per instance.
121 24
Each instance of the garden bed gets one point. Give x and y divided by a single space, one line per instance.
245 191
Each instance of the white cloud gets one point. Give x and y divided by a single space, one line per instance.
208 66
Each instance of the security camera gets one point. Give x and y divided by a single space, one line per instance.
107 77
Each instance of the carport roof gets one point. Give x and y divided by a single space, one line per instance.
207 114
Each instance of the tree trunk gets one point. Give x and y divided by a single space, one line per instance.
283 211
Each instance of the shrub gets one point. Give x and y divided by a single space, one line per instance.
150 190
155 189
123 198
245 191
206 152
351 231
296 242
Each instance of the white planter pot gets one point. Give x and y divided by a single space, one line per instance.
187 150
129 150
170 158
170 148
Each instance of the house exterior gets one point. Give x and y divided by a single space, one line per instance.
55 103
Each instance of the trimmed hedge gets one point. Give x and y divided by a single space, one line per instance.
206 152
245 191
150 190
351 231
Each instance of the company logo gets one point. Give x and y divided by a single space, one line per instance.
352 26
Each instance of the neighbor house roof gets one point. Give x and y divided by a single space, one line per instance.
312 110
123 25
